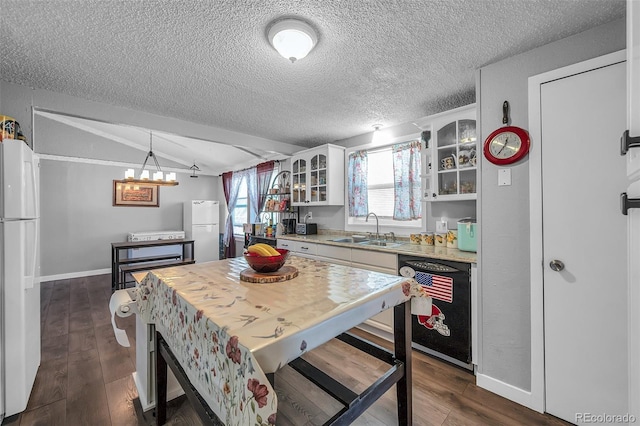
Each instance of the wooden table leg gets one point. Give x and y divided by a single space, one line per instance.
161 384
402 348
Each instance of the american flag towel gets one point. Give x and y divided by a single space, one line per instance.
436 286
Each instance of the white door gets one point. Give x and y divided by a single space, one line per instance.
585 303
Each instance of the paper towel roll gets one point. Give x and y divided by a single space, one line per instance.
123 305
421 306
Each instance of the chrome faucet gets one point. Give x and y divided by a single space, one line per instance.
377 231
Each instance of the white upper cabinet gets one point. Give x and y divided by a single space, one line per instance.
317 176
451 156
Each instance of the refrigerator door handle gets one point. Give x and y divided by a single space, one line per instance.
34 189
31 251
627 203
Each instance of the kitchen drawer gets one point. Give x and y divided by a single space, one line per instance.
332 260
302 247
378 261
340 253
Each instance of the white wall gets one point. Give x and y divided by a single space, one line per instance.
504 211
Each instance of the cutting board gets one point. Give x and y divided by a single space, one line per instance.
285 273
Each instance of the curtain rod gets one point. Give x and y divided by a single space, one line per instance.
247 168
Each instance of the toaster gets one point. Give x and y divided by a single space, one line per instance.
306 228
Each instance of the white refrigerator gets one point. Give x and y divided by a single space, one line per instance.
19 272
201 224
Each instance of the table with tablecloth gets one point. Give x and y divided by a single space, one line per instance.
228 335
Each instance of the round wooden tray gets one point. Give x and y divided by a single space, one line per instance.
285 273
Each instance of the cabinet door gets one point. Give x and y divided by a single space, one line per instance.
455 153
299 181
318 179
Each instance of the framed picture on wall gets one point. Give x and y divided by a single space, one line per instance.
135 195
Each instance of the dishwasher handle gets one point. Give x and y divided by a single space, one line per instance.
431 266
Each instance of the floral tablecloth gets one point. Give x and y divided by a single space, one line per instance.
227 334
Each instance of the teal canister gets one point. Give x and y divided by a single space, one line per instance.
467 235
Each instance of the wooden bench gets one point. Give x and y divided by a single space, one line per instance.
137 267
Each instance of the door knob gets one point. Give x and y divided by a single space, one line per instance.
556 265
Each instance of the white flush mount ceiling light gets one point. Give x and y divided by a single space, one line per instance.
292 38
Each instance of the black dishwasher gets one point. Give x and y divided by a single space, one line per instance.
446 333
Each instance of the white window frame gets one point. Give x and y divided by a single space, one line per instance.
247 219
398 227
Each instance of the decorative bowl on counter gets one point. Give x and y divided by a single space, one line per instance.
266 263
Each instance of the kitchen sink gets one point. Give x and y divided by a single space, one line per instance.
379 243
343 240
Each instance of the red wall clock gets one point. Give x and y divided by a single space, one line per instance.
506 145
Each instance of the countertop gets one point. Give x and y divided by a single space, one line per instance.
405 247
227 334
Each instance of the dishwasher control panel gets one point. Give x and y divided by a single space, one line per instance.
430 266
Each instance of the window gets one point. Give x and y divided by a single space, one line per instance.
381 187
380 183
241 211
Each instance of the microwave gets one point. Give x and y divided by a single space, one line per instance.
306 228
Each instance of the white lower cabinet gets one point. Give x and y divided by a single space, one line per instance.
370 260
301 248
380 262
333 254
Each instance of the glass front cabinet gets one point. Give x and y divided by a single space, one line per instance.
317 176
451 157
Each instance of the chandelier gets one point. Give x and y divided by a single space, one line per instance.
158 177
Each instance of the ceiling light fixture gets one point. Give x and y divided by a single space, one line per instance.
292 38
377 138
194 169
158 176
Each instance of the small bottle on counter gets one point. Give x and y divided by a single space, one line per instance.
270 228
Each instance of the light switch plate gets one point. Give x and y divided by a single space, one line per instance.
441 226
504 177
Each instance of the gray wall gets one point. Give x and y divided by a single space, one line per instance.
504 211
78 221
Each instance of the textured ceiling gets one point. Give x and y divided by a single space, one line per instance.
209 62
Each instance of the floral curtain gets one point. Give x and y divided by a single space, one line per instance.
357 184
264 173
406 176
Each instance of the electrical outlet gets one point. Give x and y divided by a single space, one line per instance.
310 215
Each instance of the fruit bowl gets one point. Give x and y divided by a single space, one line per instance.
266 263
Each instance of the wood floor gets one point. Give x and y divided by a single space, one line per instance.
85 376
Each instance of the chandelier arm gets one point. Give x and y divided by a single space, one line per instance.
156 161
145 161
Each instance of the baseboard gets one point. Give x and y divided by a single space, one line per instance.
375 328
70 275
173 391
508 391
